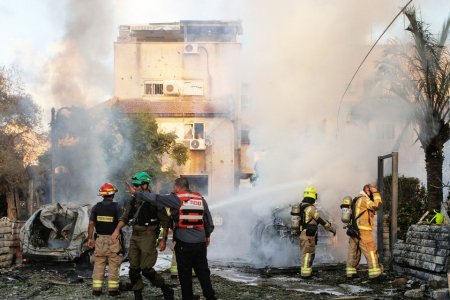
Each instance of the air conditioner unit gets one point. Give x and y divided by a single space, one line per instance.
190 49
171 88
197 144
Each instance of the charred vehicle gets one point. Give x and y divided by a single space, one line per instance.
274 241
56 232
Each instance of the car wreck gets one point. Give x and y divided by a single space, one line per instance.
275 242
56 232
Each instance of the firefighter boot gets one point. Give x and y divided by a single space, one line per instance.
114 293
138 295
167 292
97 293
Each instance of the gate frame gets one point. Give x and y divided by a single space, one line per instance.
394 204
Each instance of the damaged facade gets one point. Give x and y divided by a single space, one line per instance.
187 75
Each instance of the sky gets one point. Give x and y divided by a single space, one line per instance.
33 31
63 50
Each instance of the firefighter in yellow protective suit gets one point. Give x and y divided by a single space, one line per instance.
309 220
105 217
360 229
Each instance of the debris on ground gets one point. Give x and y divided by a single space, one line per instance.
70 281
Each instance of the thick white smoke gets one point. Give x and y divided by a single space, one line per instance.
79 70
299 57
76 77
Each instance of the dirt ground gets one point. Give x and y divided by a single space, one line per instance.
71 281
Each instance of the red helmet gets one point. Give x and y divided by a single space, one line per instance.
107 189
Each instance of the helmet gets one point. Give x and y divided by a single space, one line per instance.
134 181
107 189
438 218
347 201
142 177
310 192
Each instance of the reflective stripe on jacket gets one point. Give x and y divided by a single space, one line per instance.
191 210
106 218
309 216
366 208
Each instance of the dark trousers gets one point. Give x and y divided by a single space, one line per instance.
193 256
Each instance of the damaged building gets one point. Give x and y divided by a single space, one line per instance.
186 74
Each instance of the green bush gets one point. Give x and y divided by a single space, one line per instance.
412 199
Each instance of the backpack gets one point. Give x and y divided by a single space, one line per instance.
311 229
352 227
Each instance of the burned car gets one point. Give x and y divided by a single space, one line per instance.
275 242
56 232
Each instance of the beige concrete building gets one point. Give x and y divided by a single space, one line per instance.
187 75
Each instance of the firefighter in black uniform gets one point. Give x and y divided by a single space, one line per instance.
105 217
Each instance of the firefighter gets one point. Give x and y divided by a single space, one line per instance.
146 220
193 226
360 234
309 220
105 217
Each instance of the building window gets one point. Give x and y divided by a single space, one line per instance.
188 131
194 131
153 88
198 183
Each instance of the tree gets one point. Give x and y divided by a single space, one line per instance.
412 198
423 80
147 148
101 144
19 119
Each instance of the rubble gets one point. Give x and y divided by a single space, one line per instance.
414 293
440 294
70 281
399 282
238 281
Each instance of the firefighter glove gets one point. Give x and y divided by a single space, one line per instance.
332 229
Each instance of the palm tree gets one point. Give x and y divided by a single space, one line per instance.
428 72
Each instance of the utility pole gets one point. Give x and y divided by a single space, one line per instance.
53 149
53 138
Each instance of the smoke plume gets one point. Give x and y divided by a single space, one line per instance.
299 57
79 72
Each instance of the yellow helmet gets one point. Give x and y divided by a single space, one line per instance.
347 201
310 192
